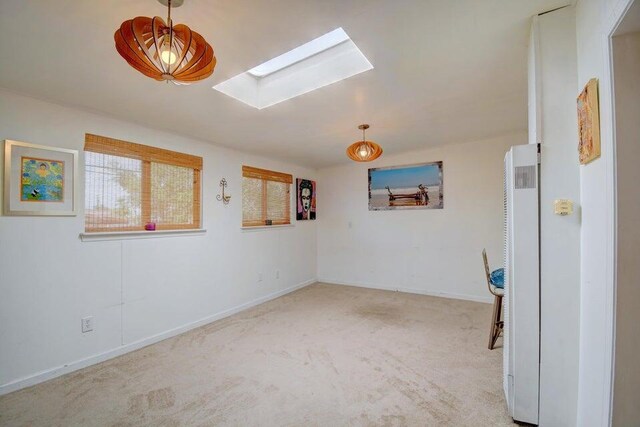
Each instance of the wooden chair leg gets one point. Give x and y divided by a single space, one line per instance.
499 322
496 322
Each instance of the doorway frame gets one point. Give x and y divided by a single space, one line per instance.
608 129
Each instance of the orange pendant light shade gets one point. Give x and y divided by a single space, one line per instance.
364 151
163 51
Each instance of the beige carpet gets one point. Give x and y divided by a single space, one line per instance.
322 356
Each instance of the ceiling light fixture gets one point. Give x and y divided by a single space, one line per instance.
163 51
364 151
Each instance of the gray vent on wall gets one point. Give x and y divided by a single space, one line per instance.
525 176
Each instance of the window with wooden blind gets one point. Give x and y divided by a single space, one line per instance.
128 186
266 197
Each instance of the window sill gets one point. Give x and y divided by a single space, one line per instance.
265 227
128 235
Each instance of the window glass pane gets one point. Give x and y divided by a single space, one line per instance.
171 194
112 191
277 201
129 185
251 200
265 197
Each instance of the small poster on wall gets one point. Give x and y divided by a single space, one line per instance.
416 186
588 123
306 206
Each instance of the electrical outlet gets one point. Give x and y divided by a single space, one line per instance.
87 324
277 274
259 277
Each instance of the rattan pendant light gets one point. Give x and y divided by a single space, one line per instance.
163 51
364 151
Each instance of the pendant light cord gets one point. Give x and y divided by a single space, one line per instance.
170 36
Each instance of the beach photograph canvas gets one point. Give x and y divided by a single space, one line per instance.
416 186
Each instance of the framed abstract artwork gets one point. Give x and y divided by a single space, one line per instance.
416 186
588 123
306 197
39 180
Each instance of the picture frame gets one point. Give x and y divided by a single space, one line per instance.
588 123
305 199
406 187
39 180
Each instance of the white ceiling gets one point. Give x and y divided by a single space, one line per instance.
445 70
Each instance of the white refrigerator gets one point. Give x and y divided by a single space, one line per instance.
522 283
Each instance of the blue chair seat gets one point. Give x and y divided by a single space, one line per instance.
497 278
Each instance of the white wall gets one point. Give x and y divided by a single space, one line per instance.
423 251
559 235
595 19
137 290
534 86
626 394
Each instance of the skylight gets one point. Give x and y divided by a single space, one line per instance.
315 64
300 53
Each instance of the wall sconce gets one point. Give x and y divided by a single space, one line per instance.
224 198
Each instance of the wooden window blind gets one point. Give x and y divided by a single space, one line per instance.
129 185
266 197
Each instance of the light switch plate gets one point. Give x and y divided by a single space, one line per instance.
563 207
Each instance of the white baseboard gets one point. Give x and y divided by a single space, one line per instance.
487 299
110 354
